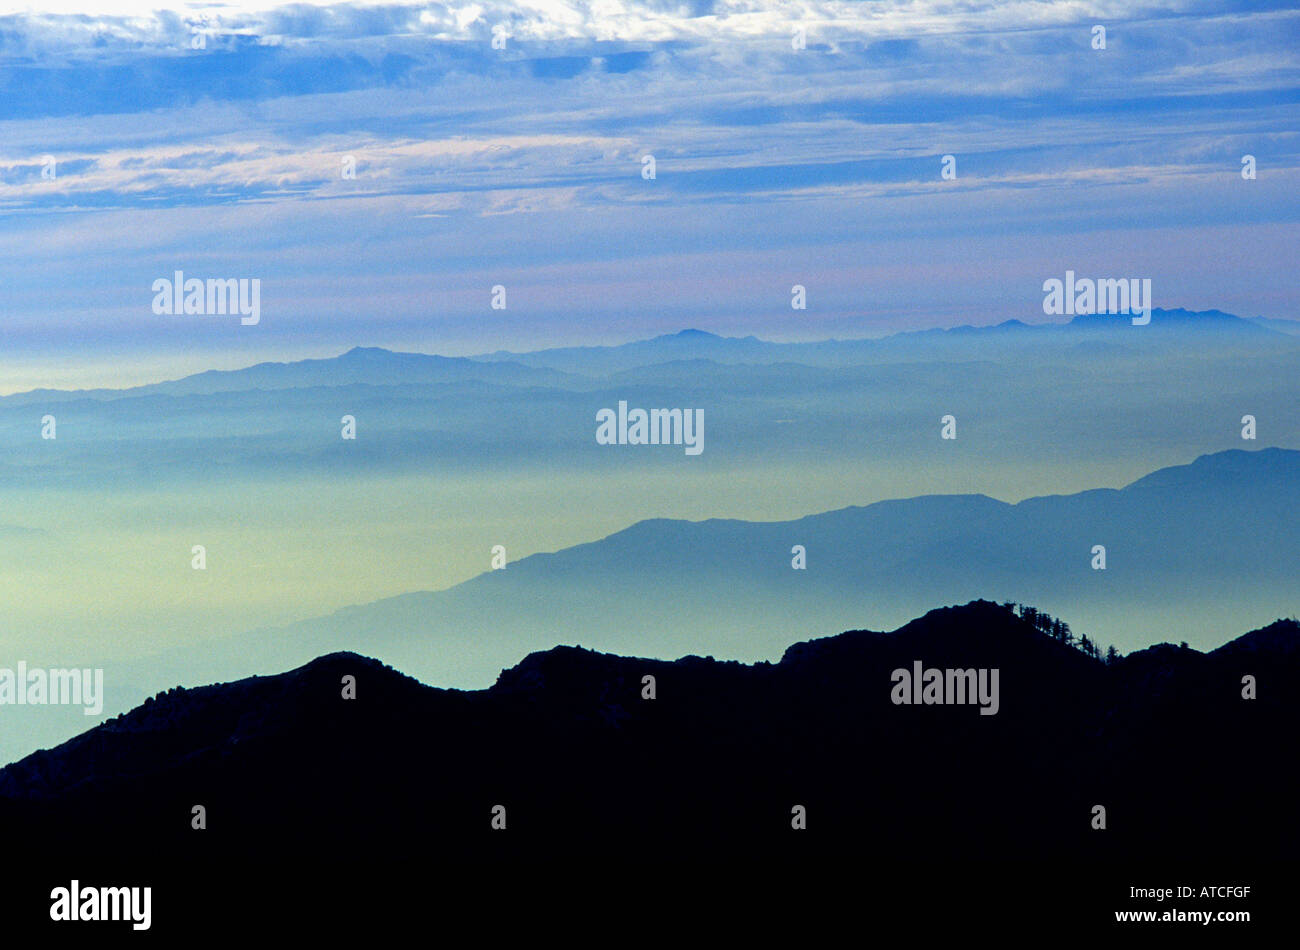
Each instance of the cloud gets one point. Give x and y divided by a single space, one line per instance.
472 162
273 124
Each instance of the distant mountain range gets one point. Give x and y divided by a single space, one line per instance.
373 366
1167 327
870 405
586 762
571 367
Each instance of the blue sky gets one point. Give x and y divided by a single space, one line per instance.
522 167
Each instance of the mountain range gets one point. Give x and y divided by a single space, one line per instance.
380 544
588 757
1186 549
570 367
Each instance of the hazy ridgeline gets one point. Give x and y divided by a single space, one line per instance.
594 750
455 456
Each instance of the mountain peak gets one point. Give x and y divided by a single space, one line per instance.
1279 637
1214 468
1176 318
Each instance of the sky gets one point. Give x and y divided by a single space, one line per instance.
523 167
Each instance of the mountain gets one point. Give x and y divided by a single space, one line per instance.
587 764
1186 549
1190 549
1177 320
371 366
1276 639
670 347
572 367
867 406
1171 327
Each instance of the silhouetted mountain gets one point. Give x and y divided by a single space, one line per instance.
1276 639
584 765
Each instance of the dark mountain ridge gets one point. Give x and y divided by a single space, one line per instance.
585 765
